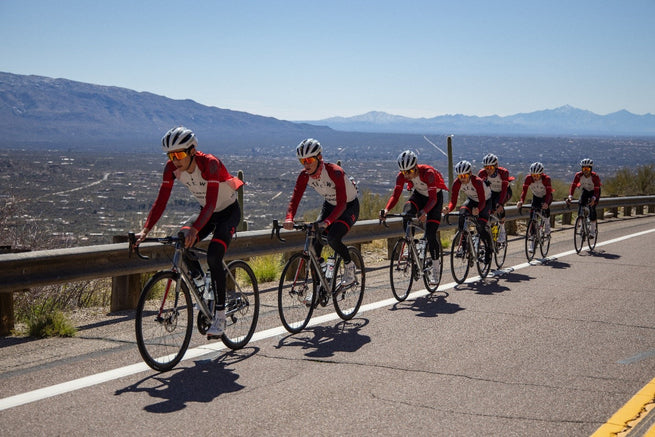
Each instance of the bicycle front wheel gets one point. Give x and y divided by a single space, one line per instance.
241 305
578 234
459 257
432 274
544 243
348 298
296 293
401 273
530 240
164 321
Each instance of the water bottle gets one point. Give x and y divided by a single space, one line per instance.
495 230
329 271
208 295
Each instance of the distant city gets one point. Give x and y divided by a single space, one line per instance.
80 198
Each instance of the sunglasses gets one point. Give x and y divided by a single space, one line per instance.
178 155
586 168
408 172
489 167
309 160
536 175
463 176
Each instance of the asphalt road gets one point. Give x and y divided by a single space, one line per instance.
554 348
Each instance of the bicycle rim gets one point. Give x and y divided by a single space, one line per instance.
578 234
296 293
241 305
500 253
164 321
428 268
347 299
591 242
459 265
530 241
483 268
544 244
401 270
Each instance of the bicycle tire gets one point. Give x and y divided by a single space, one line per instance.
427 267
459 265
530 235
591 242
578 234
401 270
241 305
163 321
480 255
296 284
544 242
348 299
500 253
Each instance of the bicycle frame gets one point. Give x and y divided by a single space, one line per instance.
413 226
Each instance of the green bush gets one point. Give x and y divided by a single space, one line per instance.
267 268
53 324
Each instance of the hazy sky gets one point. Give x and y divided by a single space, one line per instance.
307 60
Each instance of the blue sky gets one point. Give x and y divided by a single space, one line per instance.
307 60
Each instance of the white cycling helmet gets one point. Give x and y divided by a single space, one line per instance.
490 159
587 162
407 160
178 138
308 148
463 167
536 168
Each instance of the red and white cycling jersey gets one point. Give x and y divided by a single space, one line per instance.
541 188
428 183
210 183
587 183
475 189
331 182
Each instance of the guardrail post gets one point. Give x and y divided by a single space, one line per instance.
125 290
6 313
639 209
566 218
651 208
627 211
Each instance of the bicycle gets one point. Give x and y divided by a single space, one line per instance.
581 231
411 260
306 282
535 234
164 314
468 249
499 248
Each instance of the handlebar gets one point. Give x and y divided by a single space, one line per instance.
134 248
307 227
383 221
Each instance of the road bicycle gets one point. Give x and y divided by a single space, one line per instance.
581 230
411 260
307 281
535 234
468 249
499 247
164 314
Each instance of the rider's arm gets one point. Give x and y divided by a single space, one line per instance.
338 176
548 198
212 171
453 195
430 178
574 184
162 198
479 188
504 176
298 191
398 189
596 179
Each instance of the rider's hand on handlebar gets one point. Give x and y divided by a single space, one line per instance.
288 225
422 217
321 225
190 236
519 204
475 211
383 215
141 236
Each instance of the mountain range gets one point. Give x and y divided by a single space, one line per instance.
564 120
37 111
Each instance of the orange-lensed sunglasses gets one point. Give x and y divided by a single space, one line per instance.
463 176
586 168
408 172
309 160
178 155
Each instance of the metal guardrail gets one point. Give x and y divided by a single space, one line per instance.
24 270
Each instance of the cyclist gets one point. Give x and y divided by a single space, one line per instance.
477 193
589 183
340 206
216 191
542 194
426 200
498 179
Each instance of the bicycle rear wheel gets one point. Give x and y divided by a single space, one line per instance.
401 270
296 293
241 305
164 321
530 240
347 299
578 234
481 256
591 242
500 253
459 257
428 270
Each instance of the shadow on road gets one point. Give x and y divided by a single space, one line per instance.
203 382
432 305
326 341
